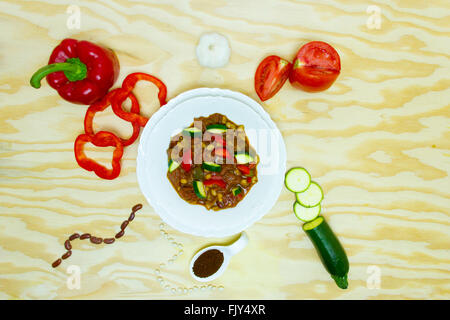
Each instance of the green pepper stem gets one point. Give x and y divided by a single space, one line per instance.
73 69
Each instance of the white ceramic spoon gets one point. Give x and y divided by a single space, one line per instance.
228 252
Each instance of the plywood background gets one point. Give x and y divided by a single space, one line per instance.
378 142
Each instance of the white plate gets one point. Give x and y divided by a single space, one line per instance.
179 113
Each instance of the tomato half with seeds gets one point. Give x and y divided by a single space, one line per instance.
315 67
270 76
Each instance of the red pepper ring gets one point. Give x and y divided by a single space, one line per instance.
100 139
127 86
116 105
105 102
130 82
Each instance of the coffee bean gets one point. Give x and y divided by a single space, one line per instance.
109 240
120 234
67 245
67 254
136 207
124 225
131 217
74 236
85 236
56 263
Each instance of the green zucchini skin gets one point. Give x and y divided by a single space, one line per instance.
331 252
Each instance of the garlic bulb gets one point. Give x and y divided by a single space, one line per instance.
213 50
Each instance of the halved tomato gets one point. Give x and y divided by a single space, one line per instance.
316 67
270 76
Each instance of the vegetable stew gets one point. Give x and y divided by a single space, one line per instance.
211 163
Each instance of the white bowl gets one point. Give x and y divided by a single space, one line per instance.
179 113
227 251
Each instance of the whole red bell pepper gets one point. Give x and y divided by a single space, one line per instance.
81 72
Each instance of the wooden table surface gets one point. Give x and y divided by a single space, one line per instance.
377 141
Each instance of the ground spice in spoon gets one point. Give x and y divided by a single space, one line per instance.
96 240
208 263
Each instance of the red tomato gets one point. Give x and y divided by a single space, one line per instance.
316 66
270 76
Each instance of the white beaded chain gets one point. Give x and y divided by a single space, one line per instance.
170 261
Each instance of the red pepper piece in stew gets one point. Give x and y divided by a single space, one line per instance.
215 180
243 168
218 139
186 162
223 153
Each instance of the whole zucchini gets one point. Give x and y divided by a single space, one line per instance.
329 249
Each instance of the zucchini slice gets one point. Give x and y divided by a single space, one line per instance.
199 189
192 131
306 214
236 190
243 158
297 179
311 197
211 166
329 249
216 128
173 165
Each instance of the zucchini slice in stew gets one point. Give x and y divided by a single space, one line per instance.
211 166
192 131
216 128
173 165
243 158
199 189
236 190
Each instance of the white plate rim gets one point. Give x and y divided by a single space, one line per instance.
163 111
